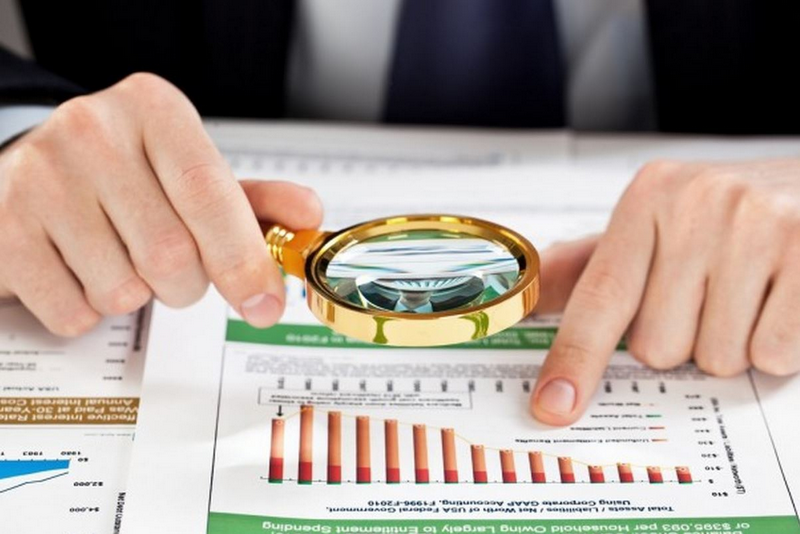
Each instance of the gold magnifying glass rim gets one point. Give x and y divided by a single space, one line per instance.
429 329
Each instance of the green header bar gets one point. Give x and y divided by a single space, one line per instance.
219 523
306 335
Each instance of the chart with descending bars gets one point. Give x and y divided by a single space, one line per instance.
479 464
338 436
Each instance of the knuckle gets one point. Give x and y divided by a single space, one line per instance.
205 189
657 168
151 89
776 210
79 117
124 298
652 175
659 356
775 354
147 83
600 288
22 169
238 274
719 365
186 297
717 185
172 254
74 324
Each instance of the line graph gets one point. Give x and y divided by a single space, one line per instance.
15 473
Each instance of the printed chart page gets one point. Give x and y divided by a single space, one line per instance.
298 429
313 429
67 416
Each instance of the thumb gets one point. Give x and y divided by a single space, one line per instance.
285 203
561 265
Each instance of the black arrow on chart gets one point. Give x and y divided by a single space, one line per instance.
280 410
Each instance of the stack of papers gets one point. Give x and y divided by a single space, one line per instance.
298 429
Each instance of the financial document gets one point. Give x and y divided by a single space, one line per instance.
298 429
67 416
435 440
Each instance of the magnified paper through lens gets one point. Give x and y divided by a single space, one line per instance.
422 271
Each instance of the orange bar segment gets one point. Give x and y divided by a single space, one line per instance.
363 460
392 452
421 472
654 475
507 466
276 452
684 475
334 447
305 466
625 473
479 475
449 456
596 475
537 467
565 469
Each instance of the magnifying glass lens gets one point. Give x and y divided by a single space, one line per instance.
422 271
413 280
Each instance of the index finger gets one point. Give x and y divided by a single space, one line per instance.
603 303
205 194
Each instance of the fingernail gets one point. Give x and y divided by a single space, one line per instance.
557 397
261 310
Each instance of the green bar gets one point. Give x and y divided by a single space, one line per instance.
308 335
221 523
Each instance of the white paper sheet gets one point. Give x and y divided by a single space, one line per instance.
67 416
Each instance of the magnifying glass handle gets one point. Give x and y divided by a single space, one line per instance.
290 249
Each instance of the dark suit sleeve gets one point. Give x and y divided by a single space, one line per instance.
24 82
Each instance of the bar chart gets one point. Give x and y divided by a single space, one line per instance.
401 435
477 463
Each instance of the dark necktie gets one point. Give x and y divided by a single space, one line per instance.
477 62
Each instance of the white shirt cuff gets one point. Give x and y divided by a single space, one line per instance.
16 119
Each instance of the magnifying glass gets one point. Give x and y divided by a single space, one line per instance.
413 280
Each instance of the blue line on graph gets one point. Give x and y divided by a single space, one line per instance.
32 482
18 468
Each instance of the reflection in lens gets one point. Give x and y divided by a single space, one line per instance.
422 271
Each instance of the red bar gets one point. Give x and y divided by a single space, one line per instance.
684 475
654 475
625 473
305 471
596 475
421 472
276 452
363 460
507 466
334 448
449 456
479 475
392 452
536 463
565 468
